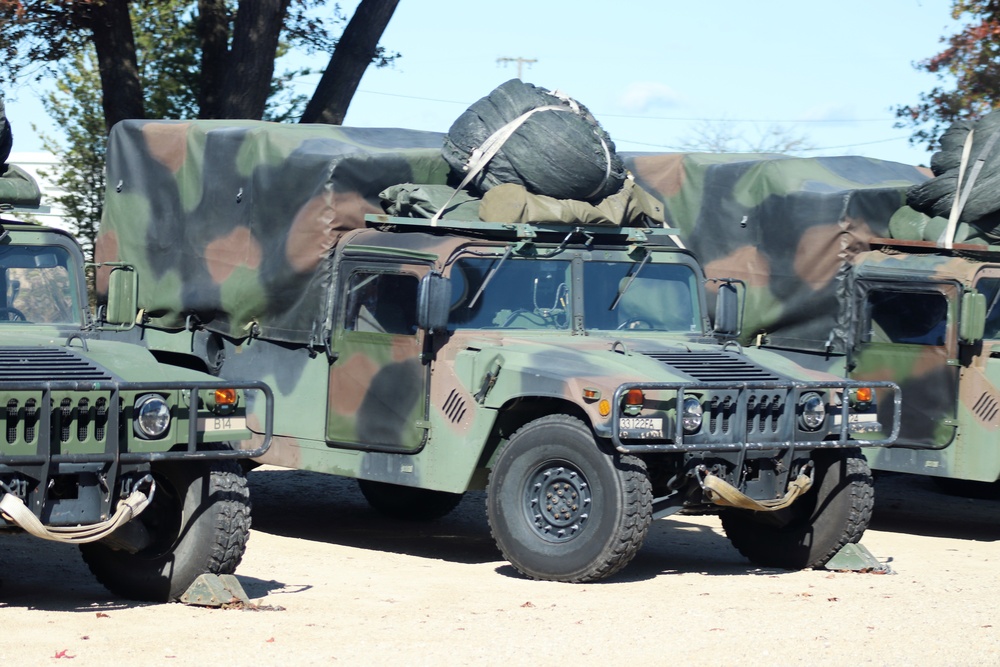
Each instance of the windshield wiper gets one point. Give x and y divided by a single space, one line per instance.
489 276
631 279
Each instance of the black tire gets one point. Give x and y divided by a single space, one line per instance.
199 520
834 512
572 541
408 502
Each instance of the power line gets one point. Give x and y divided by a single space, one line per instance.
520 61
670 118
680 148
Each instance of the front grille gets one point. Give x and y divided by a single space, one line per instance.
765 407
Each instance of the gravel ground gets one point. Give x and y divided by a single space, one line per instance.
338 584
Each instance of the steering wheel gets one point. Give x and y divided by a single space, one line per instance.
12 314
635 323
532 318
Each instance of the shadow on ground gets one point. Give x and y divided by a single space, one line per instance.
916 505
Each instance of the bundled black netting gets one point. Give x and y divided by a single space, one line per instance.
6 138
936 196
562 154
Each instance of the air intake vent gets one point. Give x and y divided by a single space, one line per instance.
986 408
715 367
34 363
454 407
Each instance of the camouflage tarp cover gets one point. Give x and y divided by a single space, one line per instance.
232 222
786 226
19 189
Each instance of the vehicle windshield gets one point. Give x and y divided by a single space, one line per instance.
537 294
37 285
661 297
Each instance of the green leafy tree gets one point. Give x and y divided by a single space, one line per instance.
116 59
968 69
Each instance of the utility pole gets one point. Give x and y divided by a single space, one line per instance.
519 61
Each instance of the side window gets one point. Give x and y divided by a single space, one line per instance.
918 318
382 303
990 287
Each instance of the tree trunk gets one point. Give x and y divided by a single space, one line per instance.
355 51
212 25
247 82
115 45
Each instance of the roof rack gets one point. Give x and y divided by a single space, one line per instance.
527 231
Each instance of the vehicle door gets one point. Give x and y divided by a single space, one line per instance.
907 333
378 381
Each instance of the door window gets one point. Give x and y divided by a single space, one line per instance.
382 303
918 318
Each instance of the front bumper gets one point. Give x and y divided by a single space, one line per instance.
750 416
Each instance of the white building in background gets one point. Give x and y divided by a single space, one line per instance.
50 214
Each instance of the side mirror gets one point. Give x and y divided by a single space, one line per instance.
123 289
433 302
727 310
972 322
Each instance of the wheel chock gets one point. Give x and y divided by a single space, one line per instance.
216 590
856 558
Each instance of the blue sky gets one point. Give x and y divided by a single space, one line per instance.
652 71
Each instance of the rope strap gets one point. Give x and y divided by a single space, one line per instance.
481 155
721 492
15 510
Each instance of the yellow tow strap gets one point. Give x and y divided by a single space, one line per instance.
721 492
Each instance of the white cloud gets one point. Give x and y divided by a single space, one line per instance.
640 96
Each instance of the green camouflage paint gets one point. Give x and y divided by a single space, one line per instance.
814 239
261 253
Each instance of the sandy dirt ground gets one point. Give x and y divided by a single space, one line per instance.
338 584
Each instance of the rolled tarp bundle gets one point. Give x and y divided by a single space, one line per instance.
936 196
548 142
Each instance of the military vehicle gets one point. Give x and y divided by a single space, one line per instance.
568 370
842 276
101 445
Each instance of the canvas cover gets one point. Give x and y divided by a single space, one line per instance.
231 223
788 227
18 189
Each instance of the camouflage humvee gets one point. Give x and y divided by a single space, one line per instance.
569 370
842 276
102 445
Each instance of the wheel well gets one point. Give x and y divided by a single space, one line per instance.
519 411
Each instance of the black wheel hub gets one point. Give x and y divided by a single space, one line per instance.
557 501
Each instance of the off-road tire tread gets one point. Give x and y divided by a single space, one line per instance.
861 498
637 510
229 535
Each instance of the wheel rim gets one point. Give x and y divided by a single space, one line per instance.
557 501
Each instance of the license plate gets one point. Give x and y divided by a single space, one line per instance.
212 424
860 422
640 427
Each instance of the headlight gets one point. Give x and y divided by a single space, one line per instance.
812 411
691 415
152 417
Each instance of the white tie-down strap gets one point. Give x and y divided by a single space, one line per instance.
129 508
481 155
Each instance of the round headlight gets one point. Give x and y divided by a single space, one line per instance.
152 416
691 415
812 411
